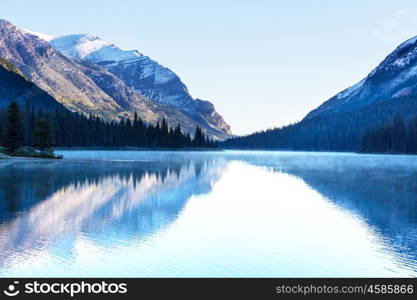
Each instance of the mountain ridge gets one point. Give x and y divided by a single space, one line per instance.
143 74
387 93
394 77
84 87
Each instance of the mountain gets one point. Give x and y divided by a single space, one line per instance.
394 78
389 92
142 74
82 86
14 87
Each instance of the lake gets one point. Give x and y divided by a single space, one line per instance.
209 214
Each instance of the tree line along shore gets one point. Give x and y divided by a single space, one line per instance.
29 132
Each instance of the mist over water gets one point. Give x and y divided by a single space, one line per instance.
205 214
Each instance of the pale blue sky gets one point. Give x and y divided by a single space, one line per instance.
262 63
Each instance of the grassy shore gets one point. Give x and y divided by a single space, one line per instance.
3 156
133 149
28 152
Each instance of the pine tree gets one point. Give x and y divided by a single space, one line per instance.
178 140
13 132
164 134
199 139
398 133
43 135
76 130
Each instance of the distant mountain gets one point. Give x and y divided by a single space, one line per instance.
394 78
82 86
142 74
14 87
389 92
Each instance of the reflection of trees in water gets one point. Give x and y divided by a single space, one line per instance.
16 192
101 199
12 195
23 184
385 198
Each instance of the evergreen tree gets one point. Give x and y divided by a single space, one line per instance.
13 132
339 131
178 139
188 141
76 130
399 136
43 135
199 139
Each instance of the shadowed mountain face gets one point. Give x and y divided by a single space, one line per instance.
390 90
14 87
394 79
142 74
82 86
340 123
62 78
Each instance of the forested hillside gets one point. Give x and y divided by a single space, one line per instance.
74 130
343 131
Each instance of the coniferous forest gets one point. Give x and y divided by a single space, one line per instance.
383 128
398 136
42 129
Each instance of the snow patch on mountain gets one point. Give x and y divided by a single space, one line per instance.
394 77
43 36
142 74
405 60
105 80
350 91
408 43
92 48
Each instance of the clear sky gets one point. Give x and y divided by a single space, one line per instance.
262 63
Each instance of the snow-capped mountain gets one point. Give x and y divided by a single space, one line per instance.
393 80
142 74
90 47
82 86
388 95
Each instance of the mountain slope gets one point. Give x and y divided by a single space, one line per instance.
56 74
14 87
395 77
142 74
340 123
82 86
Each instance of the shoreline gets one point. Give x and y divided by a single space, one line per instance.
135 149
5 157
22 158
30 153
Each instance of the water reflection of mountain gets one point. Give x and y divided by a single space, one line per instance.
387 200
382 190
45 200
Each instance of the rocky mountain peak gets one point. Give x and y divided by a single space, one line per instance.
394 77
143 74
80 78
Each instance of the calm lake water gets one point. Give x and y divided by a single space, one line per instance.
209 214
